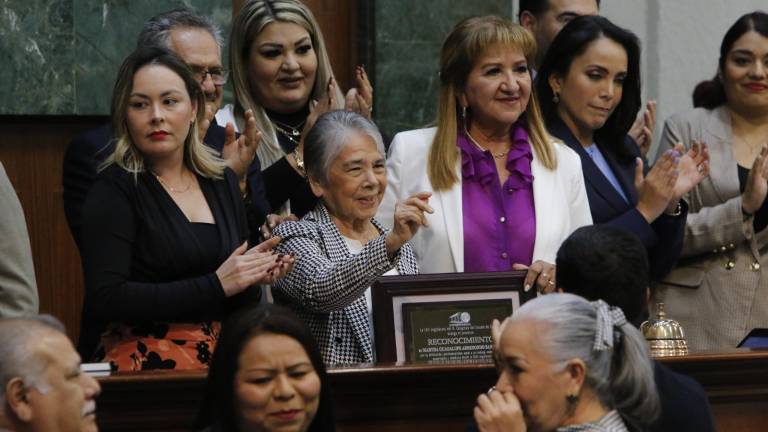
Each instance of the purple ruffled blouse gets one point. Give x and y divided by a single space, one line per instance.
499 220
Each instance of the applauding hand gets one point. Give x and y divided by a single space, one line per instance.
239 152
655 191
360 98
693 168
642 128
259 265
757 183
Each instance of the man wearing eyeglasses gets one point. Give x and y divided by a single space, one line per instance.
197 40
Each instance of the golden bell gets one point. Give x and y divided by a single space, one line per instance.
665 336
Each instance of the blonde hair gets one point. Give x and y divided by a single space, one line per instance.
461 49
252 18
198 157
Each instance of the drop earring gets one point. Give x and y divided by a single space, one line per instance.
556 98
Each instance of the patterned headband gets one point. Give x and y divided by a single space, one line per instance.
608 317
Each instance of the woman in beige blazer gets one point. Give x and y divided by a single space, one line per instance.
504 194
719 290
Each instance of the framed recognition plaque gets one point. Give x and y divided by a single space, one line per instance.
442 318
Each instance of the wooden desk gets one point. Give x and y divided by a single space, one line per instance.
421 398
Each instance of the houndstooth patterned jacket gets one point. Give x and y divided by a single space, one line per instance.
327 284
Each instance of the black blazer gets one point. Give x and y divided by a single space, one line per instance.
91 148
142 260
663 239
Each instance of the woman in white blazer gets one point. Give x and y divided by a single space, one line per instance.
504 194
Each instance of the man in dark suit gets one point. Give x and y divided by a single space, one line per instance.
600 262
197 40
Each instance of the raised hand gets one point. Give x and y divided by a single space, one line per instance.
541 274
642 129
360 98
757 183
202 127
655 191
409 217
693 168
239 152
316 109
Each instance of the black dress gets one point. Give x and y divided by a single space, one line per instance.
146 265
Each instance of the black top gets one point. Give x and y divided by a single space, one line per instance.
144 261
91 148
663 238
684 405
761 215
282 182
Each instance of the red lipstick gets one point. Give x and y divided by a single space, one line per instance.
756 87
158 135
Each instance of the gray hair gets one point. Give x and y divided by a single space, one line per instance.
620 376
330 135
18 356
250 20
157 30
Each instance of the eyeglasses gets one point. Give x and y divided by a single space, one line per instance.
218 76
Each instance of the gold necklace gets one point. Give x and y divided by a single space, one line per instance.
495 155
754 150
294 130
293 135
171 188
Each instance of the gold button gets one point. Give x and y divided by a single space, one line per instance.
730 265
755 266
723 248
731 246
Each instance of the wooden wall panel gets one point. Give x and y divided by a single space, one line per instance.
439 398
32 150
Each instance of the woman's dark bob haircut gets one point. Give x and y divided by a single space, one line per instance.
218 412
710 94
574 40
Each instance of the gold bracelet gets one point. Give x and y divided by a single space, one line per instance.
299 162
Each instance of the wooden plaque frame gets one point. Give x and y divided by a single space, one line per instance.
458 285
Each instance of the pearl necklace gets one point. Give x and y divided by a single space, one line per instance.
495 155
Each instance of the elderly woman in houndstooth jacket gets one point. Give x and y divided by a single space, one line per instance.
341 248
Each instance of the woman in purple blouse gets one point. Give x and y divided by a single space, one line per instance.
505 195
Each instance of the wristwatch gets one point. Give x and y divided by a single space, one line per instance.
678 210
